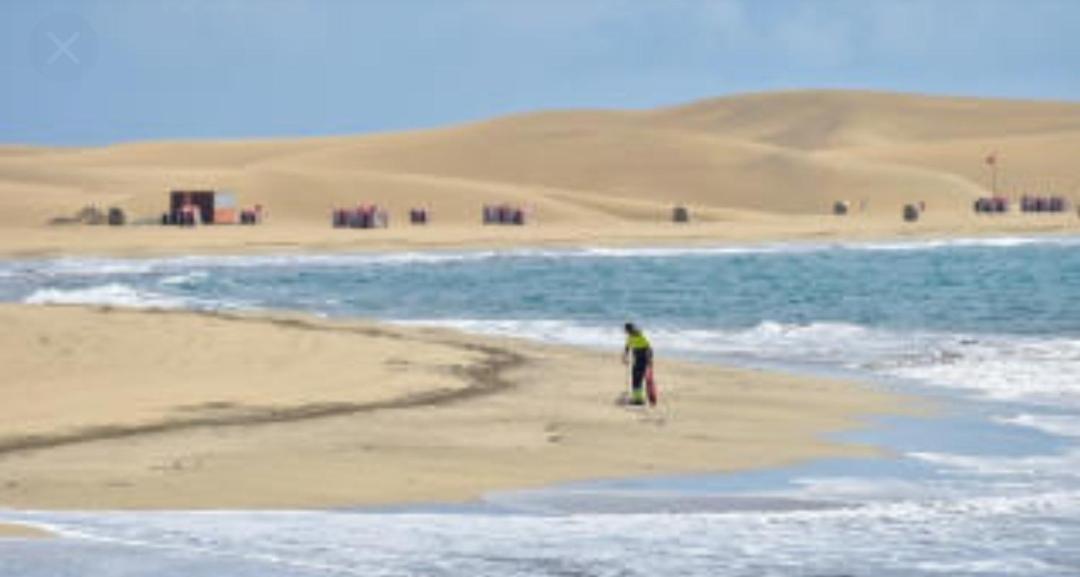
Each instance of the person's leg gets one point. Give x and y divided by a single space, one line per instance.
637 394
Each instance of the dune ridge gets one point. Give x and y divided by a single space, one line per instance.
748 160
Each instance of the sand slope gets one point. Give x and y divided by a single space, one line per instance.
743 161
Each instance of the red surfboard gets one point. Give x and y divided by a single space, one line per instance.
650 387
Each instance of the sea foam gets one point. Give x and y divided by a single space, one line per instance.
100 266
112 294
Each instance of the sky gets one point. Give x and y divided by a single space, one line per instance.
96 72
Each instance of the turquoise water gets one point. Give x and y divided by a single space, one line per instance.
989 328
1025 288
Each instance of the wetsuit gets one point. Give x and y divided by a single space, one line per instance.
639 346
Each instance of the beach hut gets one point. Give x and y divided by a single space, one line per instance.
418 216
841 207
911 213
680 214
194 207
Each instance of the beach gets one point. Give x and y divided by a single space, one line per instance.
130 409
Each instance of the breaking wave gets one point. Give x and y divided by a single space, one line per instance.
972 536
1030 369
92 266
126 296
112 294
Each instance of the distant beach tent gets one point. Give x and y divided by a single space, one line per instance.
418 216
680 214
911 213
503 214
252 216
841 207
992 205
1043 204
363 216
117 217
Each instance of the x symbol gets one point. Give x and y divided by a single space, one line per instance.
63 48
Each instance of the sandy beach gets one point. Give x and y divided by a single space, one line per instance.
150 409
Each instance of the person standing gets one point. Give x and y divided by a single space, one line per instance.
637 347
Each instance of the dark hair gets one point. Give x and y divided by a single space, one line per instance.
630 328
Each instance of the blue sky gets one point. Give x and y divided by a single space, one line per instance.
96 72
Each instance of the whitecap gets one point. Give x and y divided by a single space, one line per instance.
90 266
113 294
1038 467
1059 425
190 278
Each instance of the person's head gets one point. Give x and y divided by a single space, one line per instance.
631 329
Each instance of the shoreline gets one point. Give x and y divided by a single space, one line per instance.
20 531
150 241
545 420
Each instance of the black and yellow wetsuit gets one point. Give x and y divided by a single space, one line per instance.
639 346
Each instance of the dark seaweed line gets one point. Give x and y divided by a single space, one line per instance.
484 378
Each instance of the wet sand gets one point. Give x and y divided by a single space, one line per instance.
12 531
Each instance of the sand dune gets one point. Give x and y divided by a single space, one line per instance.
740 160
815 120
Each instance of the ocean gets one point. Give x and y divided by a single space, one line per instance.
989 484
